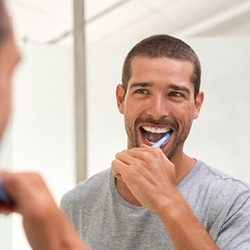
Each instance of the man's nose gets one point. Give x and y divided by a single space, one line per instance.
158 107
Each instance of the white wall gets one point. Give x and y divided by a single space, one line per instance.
221 134
43 117
43 137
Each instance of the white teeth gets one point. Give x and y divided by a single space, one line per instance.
155 130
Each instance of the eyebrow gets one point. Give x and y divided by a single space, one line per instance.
148 84
177 87
140 84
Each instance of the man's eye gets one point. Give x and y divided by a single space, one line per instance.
175 94
141 91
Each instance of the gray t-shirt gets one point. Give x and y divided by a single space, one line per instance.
106 221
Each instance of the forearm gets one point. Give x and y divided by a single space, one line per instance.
46 226
55 232
184 229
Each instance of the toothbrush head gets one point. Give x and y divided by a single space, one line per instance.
165 138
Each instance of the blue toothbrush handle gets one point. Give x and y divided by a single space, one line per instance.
159 143
4 198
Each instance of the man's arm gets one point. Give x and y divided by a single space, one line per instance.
150 176
45 225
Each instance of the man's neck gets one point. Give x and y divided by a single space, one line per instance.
125 192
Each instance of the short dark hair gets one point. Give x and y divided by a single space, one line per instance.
163 46
5 28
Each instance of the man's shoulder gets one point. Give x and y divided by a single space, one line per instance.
219 178
94 184
205 180
219 185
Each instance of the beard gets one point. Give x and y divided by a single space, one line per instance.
178 140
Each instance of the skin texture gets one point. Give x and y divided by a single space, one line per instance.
160 95
45 225
9 57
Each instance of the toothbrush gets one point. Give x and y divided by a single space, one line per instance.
4 198
159 143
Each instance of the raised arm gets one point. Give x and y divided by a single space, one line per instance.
45 225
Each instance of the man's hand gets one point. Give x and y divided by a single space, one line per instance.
45 225
151 178
148 174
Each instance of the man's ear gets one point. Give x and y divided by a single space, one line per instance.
120 93
198 103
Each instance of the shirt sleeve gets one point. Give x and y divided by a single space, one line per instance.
235 232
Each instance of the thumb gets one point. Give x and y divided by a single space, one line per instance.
144 146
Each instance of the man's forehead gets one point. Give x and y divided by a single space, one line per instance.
165 64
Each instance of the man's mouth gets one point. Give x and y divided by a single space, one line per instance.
153 134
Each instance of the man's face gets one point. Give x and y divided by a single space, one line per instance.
9 56
159 98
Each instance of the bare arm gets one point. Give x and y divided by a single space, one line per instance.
150 176
45 225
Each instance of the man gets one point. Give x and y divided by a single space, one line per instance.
45 225
160 198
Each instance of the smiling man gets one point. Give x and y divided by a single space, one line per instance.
160 198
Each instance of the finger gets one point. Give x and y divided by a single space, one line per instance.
118 168
144 146
127 156
2 173
21 185
144 153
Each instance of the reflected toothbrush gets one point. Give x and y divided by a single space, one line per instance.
165 138
4 198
